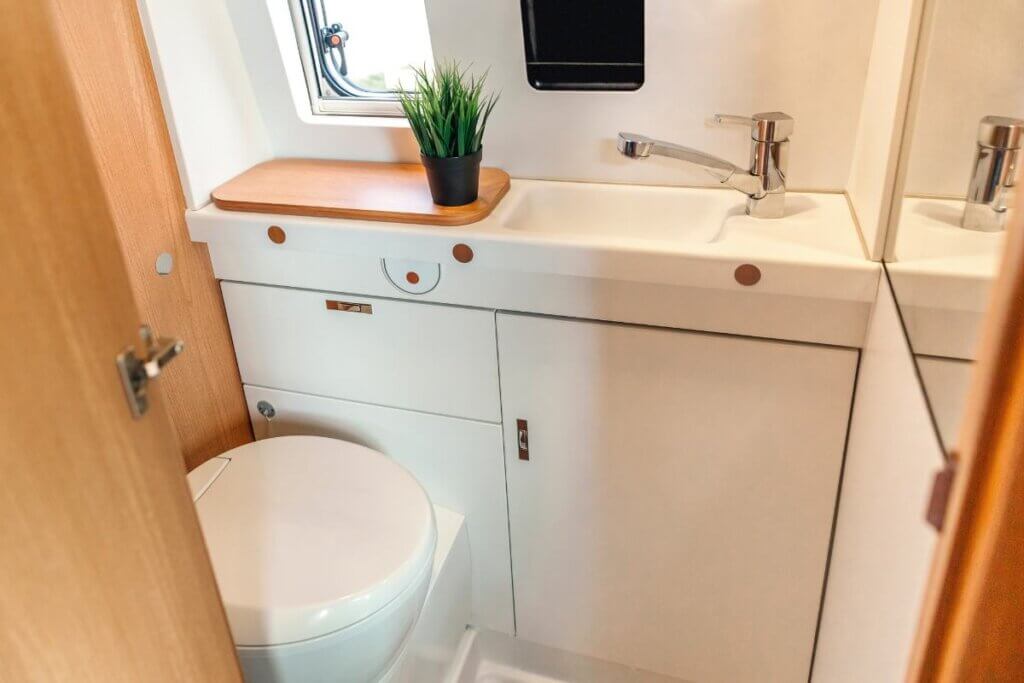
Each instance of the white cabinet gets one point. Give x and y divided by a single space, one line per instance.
458 462
438 359
675 511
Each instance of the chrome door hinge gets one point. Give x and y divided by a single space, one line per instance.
136 372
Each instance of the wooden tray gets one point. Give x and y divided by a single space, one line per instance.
397 193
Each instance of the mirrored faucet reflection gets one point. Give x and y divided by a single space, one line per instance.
764 182
993 176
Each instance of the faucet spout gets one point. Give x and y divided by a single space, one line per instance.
764 182
637 146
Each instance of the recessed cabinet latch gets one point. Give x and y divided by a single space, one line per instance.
523 439
136 372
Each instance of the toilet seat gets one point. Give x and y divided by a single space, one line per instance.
309 535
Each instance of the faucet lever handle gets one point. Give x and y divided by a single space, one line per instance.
772 126
732 120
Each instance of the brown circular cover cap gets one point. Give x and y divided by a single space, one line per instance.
748 274
276 234
462 253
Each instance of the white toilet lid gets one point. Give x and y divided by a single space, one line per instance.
308 535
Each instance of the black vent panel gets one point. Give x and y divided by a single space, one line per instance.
584 45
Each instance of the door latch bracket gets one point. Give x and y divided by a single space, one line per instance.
523 439
136 372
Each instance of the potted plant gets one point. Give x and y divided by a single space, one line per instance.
448 113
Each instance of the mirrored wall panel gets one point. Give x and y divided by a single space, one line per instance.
961 166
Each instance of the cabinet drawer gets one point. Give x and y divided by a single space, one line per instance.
438 359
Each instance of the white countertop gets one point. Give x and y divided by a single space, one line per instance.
942 276
621 253
813 250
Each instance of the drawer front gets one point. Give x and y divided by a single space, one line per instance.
437 359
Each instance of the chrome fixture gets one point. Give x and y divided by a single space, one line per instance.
764 183
994 173
136 371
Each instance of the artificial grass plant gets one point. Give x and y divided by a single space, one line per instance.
447 110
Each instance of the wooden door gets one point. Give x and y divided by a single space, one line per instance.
103 572
973 618
676 508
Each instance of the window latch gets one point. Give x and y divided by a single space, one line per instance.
335 37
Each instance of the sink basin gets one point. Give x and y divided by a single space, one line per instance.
671 214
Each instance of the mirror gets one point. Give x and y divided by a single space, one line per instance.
958 165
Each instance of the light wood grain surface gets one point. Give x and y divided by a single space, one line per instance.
114 82
973 620
397 193
103 571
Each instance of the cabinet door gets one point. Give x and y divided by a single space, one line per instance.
675 511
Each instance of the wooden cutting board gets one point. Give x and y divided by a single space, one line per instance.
397 193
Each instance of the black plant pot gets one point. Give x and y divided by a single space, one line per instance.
454 181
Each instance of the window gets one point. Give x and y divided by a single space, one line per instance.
356 53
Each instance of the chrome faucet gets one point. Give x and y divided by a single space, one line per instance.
994 173
764 183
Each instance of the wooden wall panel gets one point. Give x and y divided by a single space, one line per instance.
115 85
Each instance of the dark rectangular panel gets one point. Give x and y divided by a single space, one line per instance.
584 45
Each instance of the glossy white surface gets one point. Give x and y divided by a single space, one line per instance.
587 210
816 284
386 647
200 478
489 657
440 359
431 649
360 653
883 548
459 462
809 247
942 276
675 511
309 535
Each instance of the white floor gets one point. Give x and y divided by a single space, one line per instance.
489 657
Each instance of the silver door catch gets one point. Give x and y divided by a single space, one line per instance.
136 372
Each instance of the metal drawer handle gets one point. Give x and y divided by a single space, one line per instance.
349 307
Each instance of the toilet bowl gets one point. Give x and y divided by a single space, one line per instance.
322 550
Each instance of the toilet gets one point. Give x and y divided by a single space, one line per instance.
323 552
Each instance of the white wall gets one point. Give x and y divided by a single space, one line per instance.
805 57
880 129
973 70
216 127
883 548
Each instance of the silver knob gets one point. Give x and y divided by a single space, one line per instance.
266 409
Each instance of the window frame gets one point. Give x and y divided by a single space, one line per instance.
310 53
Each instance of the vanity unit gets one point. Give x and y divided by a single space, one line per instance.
637 397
